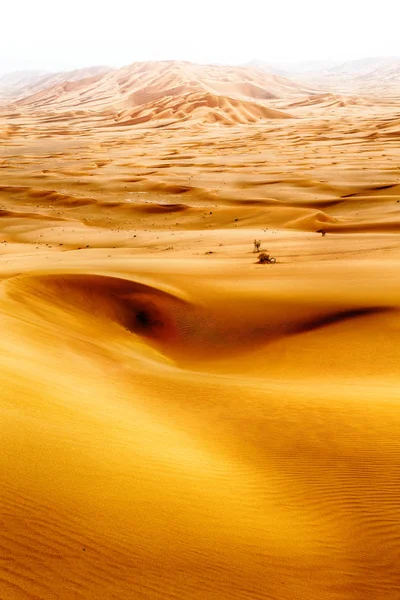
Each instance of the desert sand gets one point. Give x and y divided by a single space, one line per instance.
178 421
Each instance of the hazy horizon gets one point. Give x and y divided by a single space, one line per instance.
77 35
273 63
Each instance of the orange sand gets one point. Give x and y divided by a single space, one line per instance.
179 422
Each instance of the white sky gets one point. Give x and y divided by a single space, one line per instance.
67 34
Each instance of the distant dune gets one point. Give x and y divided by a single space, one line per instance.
13 84
164 91
363 76
24 83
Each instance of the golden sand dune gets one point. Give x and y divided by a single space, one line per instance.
206 107
166 91
179 421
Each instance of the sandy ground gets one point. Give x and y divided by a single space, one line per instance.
177 421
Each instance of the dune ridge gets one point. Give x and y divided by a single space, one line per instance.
163 91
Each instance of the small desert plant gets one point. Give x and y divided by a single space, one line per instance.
265 258
257 245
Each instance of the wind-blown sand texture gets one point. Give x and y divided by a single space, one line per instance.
177 421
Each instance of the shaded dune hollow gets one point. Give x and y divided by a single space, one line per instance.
187 331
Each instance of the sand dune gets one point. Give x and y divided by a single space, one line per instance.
372 76
11 84
205 107
179 421
165 91
28 83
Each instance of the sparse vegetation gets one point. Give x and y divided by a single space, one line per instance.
257 246
265 258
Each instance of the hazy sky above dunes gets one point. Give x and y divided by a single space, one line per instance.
61 35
